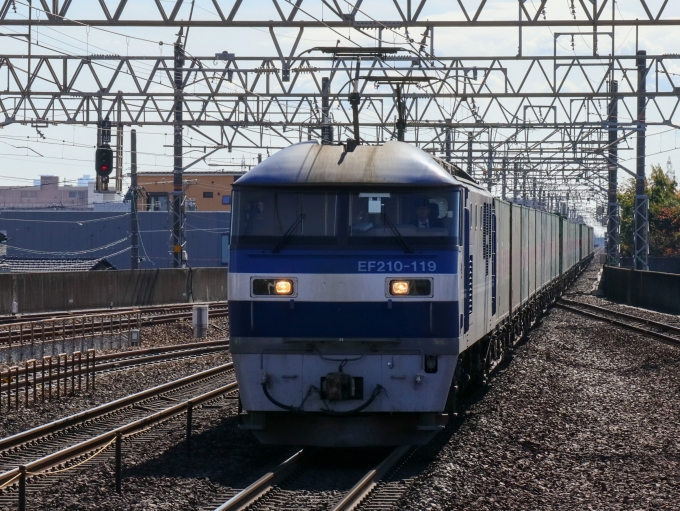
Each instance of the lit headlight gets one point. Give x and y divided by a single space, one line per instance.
284 287
410 287
273 287
399 287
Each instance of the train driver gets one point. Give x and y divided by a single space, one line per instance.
424 216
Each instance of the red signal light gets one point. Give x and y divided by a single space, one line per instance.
104 160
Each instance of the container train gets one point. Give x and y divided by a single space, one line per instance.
369 287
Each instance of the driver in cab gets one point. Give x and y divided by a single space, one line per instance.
424 216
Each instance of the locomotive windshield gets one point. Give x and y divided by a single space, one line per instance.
362 218
413 214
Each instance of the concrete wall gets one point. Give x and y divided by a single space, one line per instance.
660 264
651 290
43 292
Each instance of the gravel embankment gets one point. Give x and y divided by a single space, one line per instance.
584 417
181 332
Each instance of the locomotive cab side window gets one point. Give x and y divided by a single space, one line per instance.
267 216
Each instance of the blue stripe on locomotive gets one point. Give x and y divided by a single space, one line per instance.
344 319
342 261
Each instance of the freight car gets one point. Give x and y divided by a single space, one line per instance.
368 288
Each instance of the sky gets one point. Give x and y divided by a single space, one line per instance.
68 151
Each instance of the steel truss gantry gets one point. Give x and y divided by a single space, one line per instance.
360 14
533 128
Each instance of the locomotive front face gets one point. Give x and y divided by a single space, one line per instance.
344 311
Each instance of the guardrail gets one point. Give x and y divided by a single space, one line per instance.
44 374
51 377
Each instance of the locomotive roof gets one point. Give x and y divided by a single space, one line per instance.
310 163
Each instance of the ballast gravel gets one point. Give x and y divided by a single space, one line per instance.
584 417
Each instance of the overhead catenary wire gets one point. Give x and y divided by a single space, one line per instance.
70 253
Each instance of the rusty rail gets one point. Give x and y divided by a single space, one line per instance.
146 309
68 328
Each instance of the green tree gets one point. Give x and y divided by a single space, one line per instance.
664 215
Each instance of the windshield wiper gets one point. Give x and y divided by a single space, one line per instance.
397 234
289 233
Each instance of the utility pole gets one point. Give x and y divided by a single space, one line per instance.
355 101
469 155
504 178
134 221
448 145
489 166
613 220
641 202
401 120
178 239
326 129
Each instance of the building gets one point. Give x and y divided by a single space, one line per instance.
82 181
204 191
105 201
48 194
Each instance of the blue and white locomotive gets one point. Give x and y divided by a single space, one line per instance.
367 288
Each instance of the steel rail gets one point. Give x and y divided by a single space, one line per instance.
657 324
106 408
622 324
352 498
361 490
256 490
39 331
47 462
36 316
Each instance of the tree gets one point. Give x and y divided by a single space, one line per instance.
664 215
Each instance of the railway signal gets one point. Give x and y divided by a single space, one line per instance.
104 161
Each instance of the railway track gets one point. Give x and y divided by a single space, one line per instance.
648 327
145 309
95 323
218 311
34 455
283 485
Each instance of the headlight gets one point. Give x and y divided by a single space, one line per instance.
273 287
410 287
399 287
284 287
